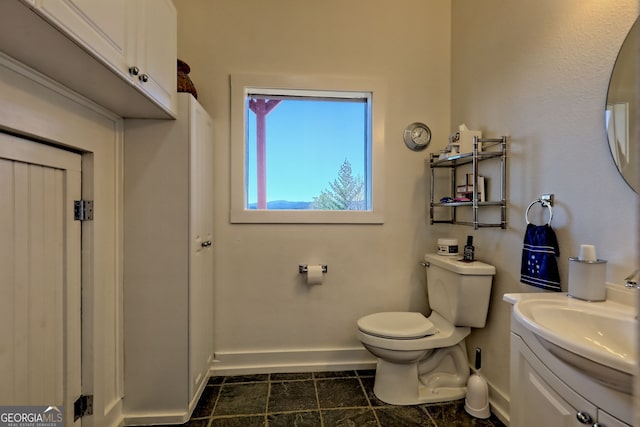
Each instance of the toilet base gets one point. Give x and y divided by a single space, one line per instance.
440 377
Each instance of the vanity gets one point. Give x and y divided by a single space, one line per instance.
572 361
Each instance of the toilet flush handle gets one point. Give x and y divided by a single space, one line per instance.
424 264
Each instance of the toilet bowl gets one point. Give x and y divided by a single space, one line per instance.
424 360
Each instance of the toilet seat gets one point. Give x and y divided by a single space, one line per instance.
397 325
445 335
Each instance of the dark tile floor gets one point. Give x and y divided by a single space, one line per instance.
322 399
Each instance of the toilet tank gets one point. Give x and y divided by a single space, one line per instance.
459 291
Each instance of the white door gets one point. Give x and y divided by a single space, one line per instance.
201 252
40 345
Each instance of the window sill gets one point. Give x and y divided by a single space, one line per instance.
305 217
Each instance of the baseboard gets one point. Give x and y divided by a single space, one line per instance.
177 417
156 419
499 403
294 360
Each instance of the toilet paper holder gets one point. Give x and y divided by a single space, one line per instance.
303 268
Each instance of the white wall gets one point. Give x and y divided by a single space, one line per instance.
539 71
262 304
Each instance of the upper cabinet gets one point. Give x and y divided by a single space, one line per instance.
98 26
119 53
153 59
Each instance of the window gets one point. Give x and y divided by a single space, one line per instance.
306 150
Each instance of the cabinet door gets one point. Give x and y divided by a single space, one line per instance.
534 401
98 26
155 29
607 420
546 407
201 229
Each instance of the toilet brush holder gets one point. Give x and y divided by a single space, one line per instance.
477 400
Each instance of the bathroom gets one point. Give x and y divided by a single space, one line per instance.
535 71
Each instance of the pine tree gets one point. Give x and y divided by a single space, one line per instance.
346 192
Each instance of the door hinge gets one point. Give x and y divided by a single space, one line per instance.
83 210
83 406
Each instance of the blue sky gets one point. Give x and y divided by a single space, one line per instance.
307 141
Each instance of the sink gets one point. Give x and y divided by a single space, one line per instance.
596 338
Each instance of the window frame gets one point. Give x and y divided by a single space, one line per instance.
244 84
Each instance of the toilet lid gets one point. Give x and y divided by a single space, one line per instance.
399 325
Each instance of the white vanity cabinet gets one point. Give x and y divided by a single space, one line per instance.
119 53
168 264
538 402
547 392
606 420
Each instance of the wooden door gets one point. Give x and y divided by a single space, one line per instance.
40 325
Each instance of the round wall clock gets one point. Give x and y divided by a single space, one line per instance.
417 136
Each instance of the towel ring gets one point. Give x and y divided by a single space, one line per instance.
545 204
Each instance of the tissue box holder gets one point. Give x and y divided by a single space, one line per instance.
587 279
464 139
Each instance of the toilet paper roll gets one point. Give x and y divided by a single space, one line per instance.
314 275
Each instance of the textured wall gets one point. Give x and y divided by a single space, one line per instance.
539 71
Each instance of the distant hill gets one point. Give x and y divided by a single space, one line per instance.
282 205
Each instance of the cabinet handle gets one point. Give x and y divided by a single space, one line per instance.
584 417
134 71
206 244
598 425
144 78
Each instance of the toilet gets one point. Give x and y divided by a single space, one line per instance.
424 360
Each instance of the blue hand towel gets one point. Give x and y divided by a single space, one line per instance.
539 265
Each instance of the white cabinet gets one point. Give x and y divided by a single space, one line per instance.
98 26
152 61
536 402
168 264
606 420
137 39
90 46
546 392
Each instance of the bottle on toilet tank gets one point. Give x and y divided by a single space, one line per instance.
468 253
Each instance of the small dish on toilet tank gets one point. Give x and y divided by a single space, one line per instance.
447 246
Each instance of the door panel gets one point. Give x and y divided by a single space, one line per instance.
201 257
39 275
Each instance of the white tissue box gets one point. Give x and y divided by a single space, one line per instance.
587 279
464 137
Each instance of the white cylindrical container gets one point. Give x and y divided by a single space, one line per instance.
587 279
447 246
